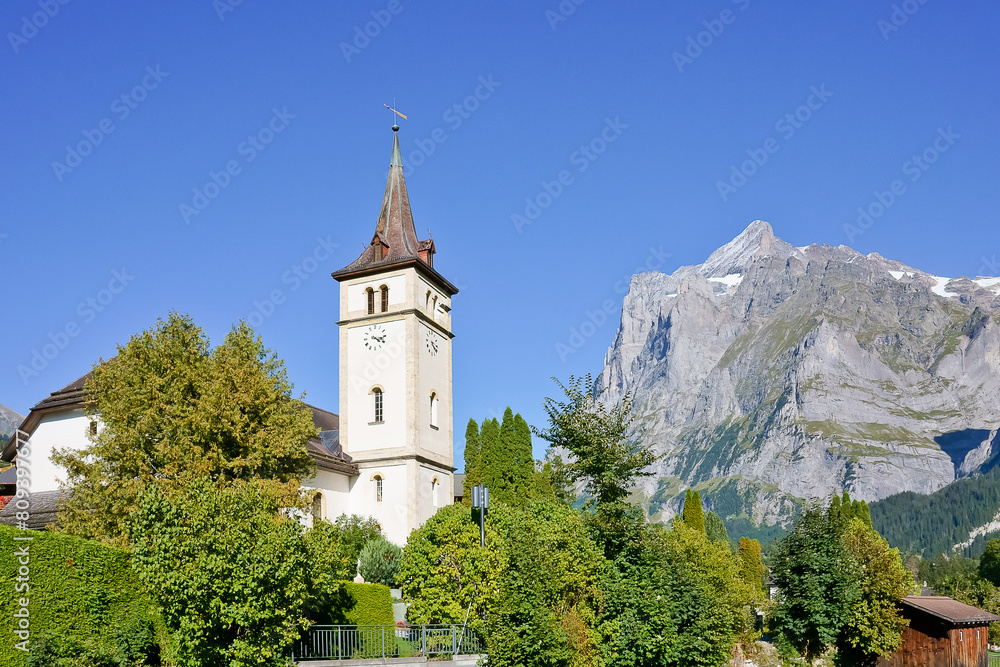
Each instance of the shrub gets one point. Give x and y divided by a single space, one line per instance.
380 562
87 606
363 604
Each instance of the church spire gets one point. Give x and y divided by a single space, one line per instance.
395 239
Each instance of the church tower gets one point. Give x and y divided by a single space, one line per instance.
395 369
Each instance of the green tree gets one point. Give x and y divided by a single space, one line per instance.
715 528
473 450
545 610
874 627
379 562
492 467
751 565
606 458
693 514
554 480
674 598
989 562
445 574
228 570
818 586
174 410
524 458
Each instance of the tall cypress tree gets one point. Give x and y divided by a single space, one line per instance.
524 458
505 478
473 449
491 464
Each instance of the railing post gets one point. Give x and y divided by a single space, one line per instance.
454 641
383 642
423 640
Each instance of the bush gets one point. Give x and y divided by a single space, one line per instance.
228 570
87 606
380 562
363 604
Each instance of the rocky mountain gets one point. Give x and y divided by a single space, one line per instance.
9 421
772 374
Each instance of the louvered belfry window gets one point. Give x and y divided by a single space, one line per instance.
371 301
385 298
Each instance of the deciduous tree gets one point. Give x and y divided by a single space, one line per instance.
228 571
606 456
173 410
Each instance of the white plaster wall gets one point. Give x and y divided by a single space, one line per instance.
66 429
434 375
442 312
336 490
357 296
393 512
425 495
366 369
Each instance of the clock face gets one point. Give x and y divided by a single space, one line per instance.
375 337
431 341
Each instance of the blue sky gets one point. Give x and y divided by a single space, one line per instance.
624 138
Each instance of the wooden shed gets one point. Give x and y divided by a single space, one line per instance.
943 633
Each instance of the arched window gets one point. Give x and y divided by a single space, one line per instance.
378 488
385 297
377 405
434 305
434 409
318 506
371 300
427 301
434 491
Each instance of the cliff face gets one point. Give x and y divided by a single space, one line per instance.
9 421
771 374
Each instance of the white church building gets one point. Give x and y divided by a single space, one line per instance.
388 454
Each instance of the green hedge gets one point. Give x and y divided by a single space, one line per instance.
362 604
82 596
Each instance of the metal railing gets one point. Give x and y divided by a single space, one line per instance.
994 659
345 642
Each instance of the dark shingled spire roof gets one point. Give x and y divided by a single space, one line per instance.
395 239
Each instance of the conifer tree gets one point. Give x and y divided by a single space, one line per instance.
524 457
473 447
715 528
491 463
693 514
752 568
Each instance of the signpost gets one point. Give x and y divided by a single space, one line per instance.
481 501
